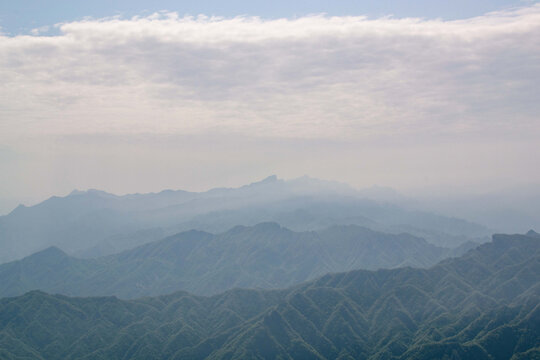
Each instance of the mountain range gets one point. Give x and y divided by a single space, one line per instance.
482 305
262 256
95 223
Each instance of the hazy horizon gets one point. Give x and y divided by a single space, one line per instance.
434 193
365 94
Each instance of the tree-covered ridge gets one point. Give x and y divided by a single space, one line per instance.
483 305
263 256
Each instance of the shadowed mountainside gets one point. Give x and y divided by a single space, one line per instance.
263 256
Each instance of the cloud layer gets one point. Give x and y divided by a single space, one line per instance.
310 77
142 104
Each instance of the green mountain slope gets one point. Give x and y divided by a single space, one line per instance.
483 305
263 256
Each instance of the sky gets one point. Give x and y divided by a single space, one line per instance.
138 96
19 17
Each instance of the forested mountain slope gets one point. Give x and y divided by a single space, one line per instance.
263 256
483 305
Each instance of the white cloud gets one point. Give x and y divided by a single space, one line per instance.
314 77
39 30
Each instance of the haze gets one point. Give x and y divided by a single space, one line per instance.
248 179
163 100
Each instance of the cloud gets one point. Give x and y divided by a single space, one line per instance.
309 77
39 30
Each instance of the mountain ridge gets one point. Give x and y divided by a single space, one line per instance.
95 223
442 312
266 255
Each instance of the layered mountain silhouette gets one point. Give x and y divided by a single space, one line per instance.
262 256
94 223
482 305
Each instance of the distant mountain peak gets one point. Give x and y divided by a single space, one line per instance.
267 180
49 253
532 233
18 209
271 178
91 192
